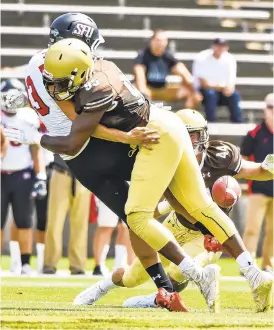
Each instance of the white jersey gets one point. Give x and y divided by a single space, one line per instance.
54 119
18 156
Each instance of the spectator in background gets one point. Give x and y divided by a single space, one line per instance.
257 144
214 72
22 177
66 195
107 222
154 64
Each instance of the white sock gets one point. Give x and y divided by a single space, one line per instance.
40 250
15 255
104 256
107 284
191 269
244 259
120 256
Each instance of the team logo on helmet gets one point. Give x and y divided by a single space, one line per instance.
83 30
54 32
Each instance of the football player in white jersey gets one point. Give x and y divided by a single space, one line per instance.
22 177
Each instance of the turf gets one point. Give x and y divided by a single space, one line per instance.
45 303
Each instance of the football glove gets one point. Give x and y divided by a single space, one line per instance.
25 134
211 244
268 163
39 189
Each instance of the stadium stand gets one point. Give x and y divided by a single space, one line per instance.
127 24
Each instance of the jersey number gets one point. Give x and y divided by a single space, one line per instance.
36 101
224 152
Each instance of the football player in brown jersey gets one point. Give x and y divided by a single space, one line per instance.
102 95
216 158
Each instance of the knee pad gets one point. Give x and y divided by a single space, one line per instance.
216 222
149 229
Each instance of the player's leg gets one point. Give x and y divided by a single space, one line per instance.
15 254
78 239
189 189
41 206
124 254
58 206
255 213
106 223
107 176
23 209
152 173
5 199
267 262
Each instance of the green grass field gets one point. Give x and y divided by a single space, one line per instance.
46 303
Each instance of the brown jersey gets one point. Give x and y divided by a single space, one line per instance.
108 89
220 158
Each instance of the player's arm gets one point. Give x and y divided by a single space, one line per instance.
254 171
82 128
137 136
90 107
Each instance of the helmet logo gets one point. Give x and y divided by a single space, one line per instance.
83 30
54 32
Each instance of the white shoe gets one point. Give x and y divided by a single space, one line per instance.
261 285
209 287
90 295
26 270
141 301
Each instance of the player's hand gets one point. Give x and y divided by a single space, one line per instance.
211 244
26 133
39 189
268 163
143 136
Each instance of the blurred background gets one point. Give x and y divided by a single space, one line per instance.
243 27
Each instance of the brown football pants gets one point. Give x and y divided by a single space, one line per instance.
62 200
259 207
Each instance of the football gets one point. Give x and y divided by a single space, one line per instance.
226 191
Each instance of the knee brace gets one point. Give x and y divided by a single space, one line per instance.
149 229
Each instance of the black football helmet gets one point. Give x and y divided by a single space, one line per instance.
13 95
76 25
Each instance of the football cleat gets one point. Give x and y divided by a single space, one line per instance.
170 301
90 295
148 301
262 287
209 287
